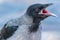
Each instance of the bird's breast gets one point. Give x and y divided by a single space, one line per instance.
21 33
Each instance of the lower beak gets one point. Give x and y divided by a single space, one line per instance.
51 14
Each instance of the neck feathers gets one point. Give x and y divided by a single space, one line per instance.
35 26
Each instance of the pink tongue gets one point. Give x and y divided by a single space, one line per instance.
44 11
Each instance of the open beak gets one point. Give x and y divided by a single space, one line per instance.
46 12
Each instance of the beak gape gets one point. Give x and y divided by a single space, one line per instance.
46 12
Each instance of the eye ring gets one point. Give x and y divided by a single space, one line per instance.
33 9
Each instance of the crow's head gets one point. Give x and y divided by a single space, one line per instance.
39 11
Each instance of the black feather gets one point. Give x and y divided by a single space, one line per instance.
7 32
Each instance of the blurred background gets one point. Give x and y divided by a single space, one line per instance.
10 9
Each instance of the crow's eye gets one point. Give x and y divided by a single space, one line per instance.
33 9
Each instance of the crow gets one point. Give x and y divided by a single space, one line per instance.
26 27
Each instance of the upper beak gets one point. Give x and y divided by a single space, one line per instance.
46 5
49 13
